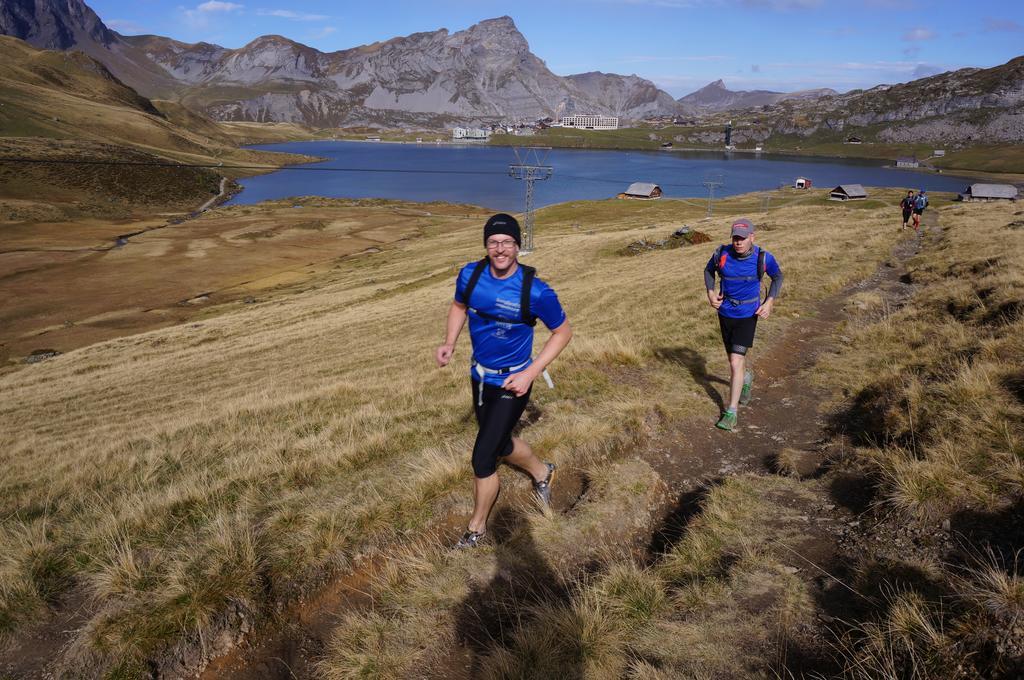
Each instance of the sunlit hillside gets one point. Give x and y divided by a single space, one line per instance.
177 485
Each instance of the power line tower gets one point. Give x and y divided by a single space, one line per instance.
531 165
712 181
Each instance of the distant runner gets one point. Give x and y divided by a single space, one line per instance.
920 203
740 265
907 207
503 301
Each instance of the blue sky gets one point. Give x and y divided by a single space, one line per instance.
681 45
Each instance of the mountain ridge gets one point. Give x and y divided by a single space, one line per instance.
484 72
715 96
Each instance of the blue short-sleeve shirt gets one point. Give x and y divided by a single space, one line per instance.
739 281
503 345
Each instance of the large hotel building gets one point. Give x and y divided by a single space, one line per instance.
591 122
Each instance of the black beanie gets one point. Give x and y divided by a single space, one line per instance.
502 224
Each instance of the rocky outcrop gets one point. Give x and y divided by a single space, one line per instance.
957 107
53 25
717 97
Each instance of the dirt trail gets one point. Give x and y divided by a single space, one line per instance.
689 455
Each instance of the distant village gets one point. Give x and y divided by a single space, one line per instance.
582 122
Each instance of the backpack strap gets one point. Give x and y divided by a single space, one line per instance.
719 258
525 315
760 264
473 278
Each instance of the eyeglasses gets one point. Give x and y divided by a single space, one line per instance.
500 245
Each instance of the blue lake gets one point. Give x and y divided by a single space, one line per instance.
478 174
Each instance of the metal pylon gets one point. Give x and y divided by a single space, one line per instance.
531 166
712 181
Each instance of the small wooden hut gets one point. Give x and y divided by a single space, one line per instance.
989 192
642 190
848 192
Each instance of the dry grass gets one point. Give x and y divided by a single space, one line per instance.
935 386
936 404
720 604
229 463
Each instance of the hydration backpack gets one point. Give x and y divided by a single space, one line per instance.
525 316
921 202
721 255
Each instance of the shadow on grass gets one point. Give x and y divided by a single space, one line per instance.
524 584
870 418
991 537
855 491
694 362
673 526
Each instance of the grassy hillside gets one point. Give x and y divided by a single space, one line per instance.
65 106
200 470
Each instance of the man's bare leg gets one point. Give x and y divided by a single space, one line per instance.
737 364
522 457
485 492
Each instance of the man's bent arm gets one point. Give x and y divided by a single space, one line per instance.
709 277
453 327
554 345
776 287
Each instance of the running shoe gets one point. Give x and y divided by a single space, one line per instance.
748 383
727 422
543 487
470 539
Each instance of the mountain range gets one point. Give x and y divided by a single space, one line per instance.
485 72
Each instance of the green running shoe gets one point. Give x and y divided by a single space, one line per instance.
748 384
727 422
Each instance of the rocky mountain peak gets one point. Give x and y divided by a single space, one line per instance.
53 24
499 36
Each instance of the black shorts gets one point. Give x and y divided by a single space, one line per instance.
738 334
918 212
496 417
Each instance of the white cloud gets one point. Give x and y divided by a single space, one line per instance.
288 14
669 4
199 17
918 34
125 26
782 5
322 33
1002 25
218 6
647 59
925 70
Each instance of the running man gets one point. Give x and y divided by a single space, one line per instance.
492 293
740 265
907 207
920 203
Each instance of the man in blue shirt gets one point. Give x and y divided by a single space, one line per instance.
502 301
740 266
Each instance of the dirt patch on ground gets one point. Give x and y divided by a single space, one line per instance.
67 285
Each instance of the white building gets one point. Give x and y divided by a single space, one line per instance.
591 122
470 133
